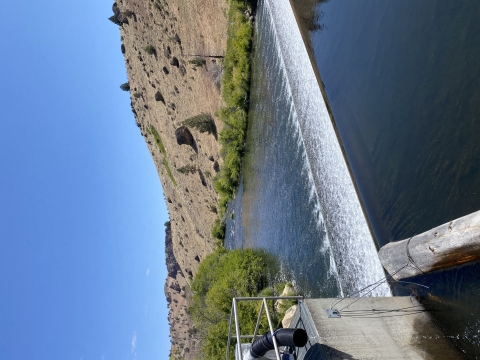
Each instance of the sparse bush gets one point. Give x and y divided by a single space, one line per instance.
137 95
187 169
197 61
125 86
150 49
168 224
128 13
202 122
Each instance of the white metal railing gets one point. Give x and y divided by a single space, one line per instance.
234 315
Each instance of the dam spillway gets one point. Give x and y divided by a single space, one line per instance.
286 99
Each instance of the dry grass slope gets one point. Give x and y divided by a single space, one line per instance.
159 40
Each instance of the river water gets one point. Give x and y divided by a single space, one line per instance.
402 81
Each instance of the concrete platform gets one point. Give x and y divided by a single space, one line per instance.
371 328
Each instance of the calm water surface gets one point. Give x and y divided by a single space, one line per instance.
402 79
403 82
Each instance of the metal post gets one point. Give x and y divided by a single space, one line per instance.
234 315
271 329
258 323
229 332
271 298
237 329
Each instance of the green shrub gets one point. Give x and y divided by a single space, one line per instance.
168 224
202 122
218 229
221 276
187 169
197 61
114 19
137 95
125 86
150 49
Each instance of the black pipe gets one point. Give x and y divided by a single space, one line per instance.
284 337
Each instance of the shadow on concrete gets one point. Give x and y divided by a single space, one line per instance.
325 352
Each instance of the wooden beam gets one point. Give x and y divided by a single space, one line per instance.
446 246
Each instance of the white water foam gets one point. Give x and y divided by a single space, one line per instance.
266 33
353 248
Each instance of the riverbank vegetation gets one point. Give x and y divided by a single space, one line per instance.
235 87
221 276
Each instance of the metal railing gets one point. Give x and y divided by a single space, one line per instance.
234 315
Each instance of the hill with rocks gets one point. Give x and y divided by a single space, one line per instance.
173 51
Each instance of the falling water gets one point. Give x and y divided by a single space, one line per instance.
299 169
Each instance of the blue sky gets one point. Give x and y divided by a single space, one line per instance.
82 263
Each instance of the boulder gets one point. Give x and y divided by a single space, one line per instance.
122 19
287 319
175 287
159 97
175 62
115 9
287 291
172 265
184 136
182 69
202 177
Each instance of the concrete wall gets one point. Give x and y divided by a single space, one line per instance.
371 328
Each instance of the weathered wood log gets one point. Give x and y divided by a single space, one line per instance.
446 246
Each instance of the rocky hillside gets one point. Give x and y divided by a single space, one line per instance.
172 53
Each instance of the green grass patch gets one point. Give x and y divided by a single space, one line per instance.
169 172
235 93
160 146
158 140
